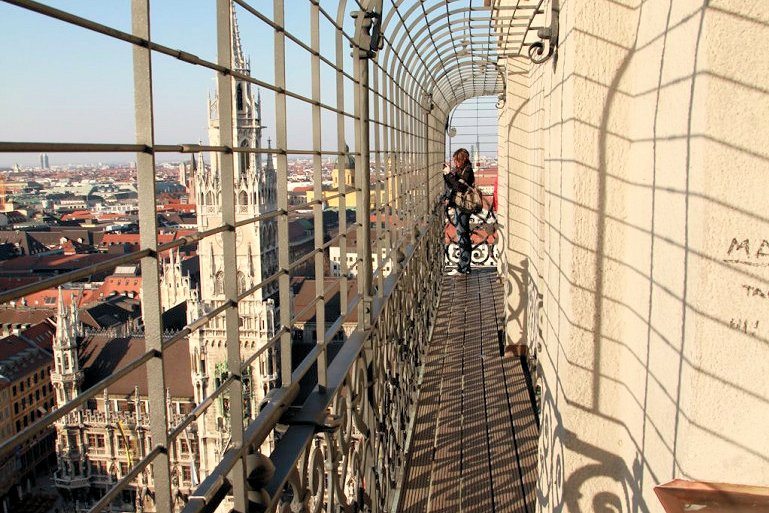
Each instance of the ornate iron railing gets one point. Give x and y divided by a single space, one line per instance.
485 248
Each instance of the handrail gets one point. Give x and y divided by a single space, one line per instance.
305 422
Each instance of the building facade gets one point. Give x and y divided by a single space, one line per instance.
98 445
256 193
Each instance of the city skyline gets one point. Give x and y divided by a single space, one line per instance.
93 98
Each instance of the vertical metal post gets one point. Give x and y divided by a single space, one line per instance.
402 186
427 155
385 199
341 160
225 87
363 175
282 179
395 188
378 210
148 229
317 208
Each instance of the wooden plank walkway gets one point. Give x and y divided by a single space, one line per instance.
474 445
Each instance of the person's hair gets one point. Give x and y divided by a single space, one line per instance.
463 156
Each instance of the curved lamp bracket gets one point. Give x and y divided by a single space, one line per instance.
548 38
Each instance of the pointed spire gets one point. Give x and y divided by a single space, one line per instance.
270 165
238 61
74 320
61 316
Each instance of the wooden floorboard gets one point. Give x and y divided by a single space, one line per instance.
476 473
420 458
474 441
445 488
506 475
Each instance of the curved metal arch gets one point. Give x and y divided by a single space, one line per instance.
456 71
417 49
413 54
396 48
441 60
434 71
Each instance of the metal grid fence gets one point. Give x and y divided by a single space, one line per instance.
342 446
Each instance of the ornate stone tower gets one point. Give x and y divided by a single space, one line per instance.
66 379
256 193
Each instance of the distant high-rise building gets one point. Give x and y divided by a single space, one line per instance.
44 163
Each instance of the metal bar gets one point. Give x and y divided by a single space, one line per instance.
255 434
196 412
341 145
226 87
282 181
126 480
21 147
320 306
148 230
363 176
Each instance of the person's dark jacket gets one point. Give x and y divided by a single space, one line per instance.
452 180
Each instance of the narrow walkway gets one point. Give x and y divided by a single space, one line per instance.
474 446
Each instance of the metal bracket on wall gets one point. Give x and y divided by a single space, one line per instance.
537 52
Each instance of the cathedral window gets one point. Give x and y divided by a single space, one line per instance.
239 96
243 198
219 283
241 282
209 198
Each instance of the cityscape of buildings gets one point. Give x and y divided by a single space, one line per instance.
59 342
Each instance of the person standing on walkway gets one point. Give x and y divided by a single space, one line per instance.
458 178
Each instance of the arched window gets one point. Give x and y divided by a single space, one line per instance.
241 282
210 198
243 158
219 283
243 198
239 96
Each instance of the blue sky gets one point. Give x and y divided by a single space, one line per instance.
66 84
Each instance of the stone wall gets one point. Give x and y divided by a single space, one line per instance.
633 179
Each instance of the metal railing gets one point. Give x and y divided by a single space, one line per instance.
404 163
343 444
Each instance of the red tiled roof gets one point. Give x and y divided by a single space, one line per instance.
121 285
47 263
78 215
17 281
49 298
11 346
41 334
25 315
178 207
110 239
